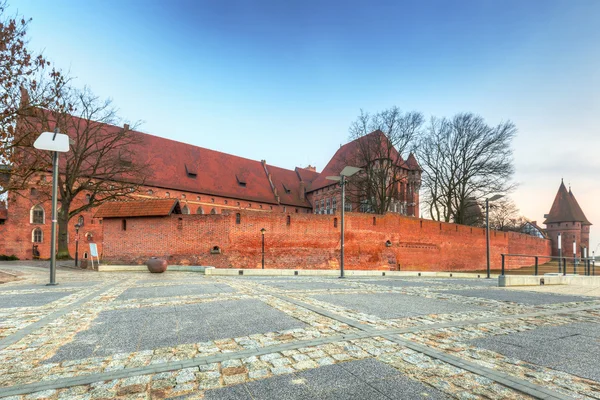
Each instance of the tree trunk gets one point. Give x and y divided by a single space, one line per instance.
63 238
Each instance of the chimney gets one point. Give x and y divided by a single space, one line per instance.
126 127
302 190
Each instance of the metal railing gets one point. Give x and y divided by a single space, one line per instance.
577 264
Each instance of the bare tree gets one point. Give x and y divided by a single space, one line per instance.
380 139
463 159
101 165
21 72
504 215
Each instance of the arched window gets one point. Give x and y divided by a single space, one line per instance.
88 198
167 194
335 222
183 196
37 215
213 211
199 210
375 221
185 210
238 218
124 225
288 220
33 192
37 236
150 192
80 220
89 236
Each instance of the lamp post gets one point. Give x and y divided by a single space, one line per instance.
559 251
574 257
262 231
487 228
346 172
77 226
56 143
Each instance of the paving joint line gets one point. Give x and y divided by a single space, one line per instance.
365 332
15 337
509 381
172 365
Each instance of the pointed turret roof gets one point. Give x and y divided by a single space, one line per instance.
565 208
413 163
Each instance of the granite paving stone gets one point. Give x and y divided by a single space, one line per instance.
30 299
174 290
391 305
151 327
183 335
529 298
573 348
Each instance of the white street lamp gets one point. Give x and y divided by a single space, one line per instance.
346 172
56 143
487 228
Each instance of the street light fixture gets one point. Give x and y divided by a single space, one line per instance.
560 251
346 172
487 228
56 143
77 226
262 231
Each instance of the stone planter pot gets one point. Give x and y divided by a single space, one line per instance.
156 265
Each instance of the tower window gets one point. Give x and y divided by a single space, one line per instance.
38 215
37 236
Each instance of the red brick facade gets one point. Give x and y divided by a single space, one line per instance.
312 241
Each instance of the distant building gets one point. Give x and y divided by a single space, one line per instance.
531 228
567 218
205 182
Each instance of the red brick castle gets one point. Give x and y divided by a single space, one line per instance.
205 182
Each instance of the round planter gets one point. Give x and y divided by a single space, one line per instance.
156 265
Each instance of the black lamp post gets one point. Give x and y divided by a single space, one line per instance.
262 231
77 226
487 229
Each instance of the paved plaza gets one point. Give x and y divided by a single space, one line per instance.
183 335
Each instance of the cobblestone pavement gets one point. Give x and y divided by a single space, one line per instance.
182 335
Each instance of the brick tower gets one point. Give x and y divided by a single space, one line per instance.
567 218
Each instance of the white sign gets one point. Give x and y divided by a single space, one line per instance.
94 250
52 142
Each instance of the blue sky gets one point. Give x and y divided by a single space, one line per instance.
283 80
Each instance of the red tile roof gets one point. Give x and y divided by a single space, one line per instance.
412 163
347 152
188 168
565 208
288 187
138 208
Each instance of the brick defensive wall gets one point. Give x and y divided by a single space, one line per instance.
308 241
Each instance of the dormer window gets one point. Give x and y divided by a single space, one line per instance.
191 171
241 181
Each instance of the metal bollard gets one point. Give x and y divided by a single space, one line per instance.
502 264
564 266
536 265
